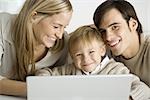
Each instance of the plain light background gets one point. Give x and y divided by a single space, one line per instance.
84 10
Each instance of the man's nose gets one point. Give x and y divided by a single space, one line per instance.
109 35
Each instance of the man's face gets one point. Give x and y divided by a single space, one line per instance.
116 32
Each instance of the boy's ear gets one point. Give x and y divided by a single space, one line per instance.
133 24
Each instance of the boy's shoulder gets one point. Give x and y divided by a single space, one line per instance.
117 63
117 67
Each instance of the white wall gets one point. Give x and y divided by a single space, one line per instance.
84 9
11 6
141 7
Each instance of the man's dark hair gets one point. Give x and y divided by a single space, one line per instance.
124 7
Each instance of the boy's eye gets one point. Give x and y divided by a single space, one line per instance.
77 55
91 52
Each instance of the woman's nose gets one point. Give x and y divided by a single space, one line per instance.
60 33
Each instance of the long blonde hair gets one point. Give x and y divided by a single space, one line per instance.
23 32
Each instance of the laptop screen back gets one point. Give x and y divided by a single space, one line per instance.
84 87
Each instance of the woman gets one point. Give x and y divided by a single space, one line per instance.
31 40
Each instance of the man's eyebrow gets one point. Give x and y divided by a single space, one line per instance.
108 26
112 24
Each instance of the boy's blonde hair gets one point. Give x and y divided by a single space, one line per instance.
84 34
23 32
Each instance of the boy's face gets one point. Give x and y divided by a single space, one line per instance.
87 56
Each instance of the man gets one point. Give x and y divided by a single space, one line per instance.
122 32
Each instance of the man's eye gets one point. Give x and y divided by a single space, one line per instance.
115 27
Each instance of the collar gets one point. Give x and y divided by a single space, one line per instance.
99 67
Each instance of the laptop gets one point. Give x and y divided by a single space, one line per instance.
79 87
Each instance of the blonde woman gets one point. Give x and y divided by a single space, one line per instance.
31 40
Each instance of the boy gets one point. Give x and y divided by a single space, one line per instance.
88 53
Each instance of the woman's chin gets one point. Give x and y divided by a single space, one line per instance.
48 43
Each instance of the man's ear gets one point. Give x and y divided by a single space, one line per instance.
133 24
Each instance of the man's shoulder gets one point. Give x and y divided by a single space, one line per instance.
147 40
145 46
145 36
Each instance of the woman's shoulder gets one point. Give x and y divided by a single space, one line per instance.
6 14
6 23
5 17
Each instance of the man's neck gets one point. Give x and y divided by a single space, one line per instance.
133 49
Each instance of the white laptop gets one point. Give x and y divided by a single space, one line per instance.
83 87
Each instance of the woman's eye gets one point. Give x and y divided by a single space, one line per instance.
55 26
